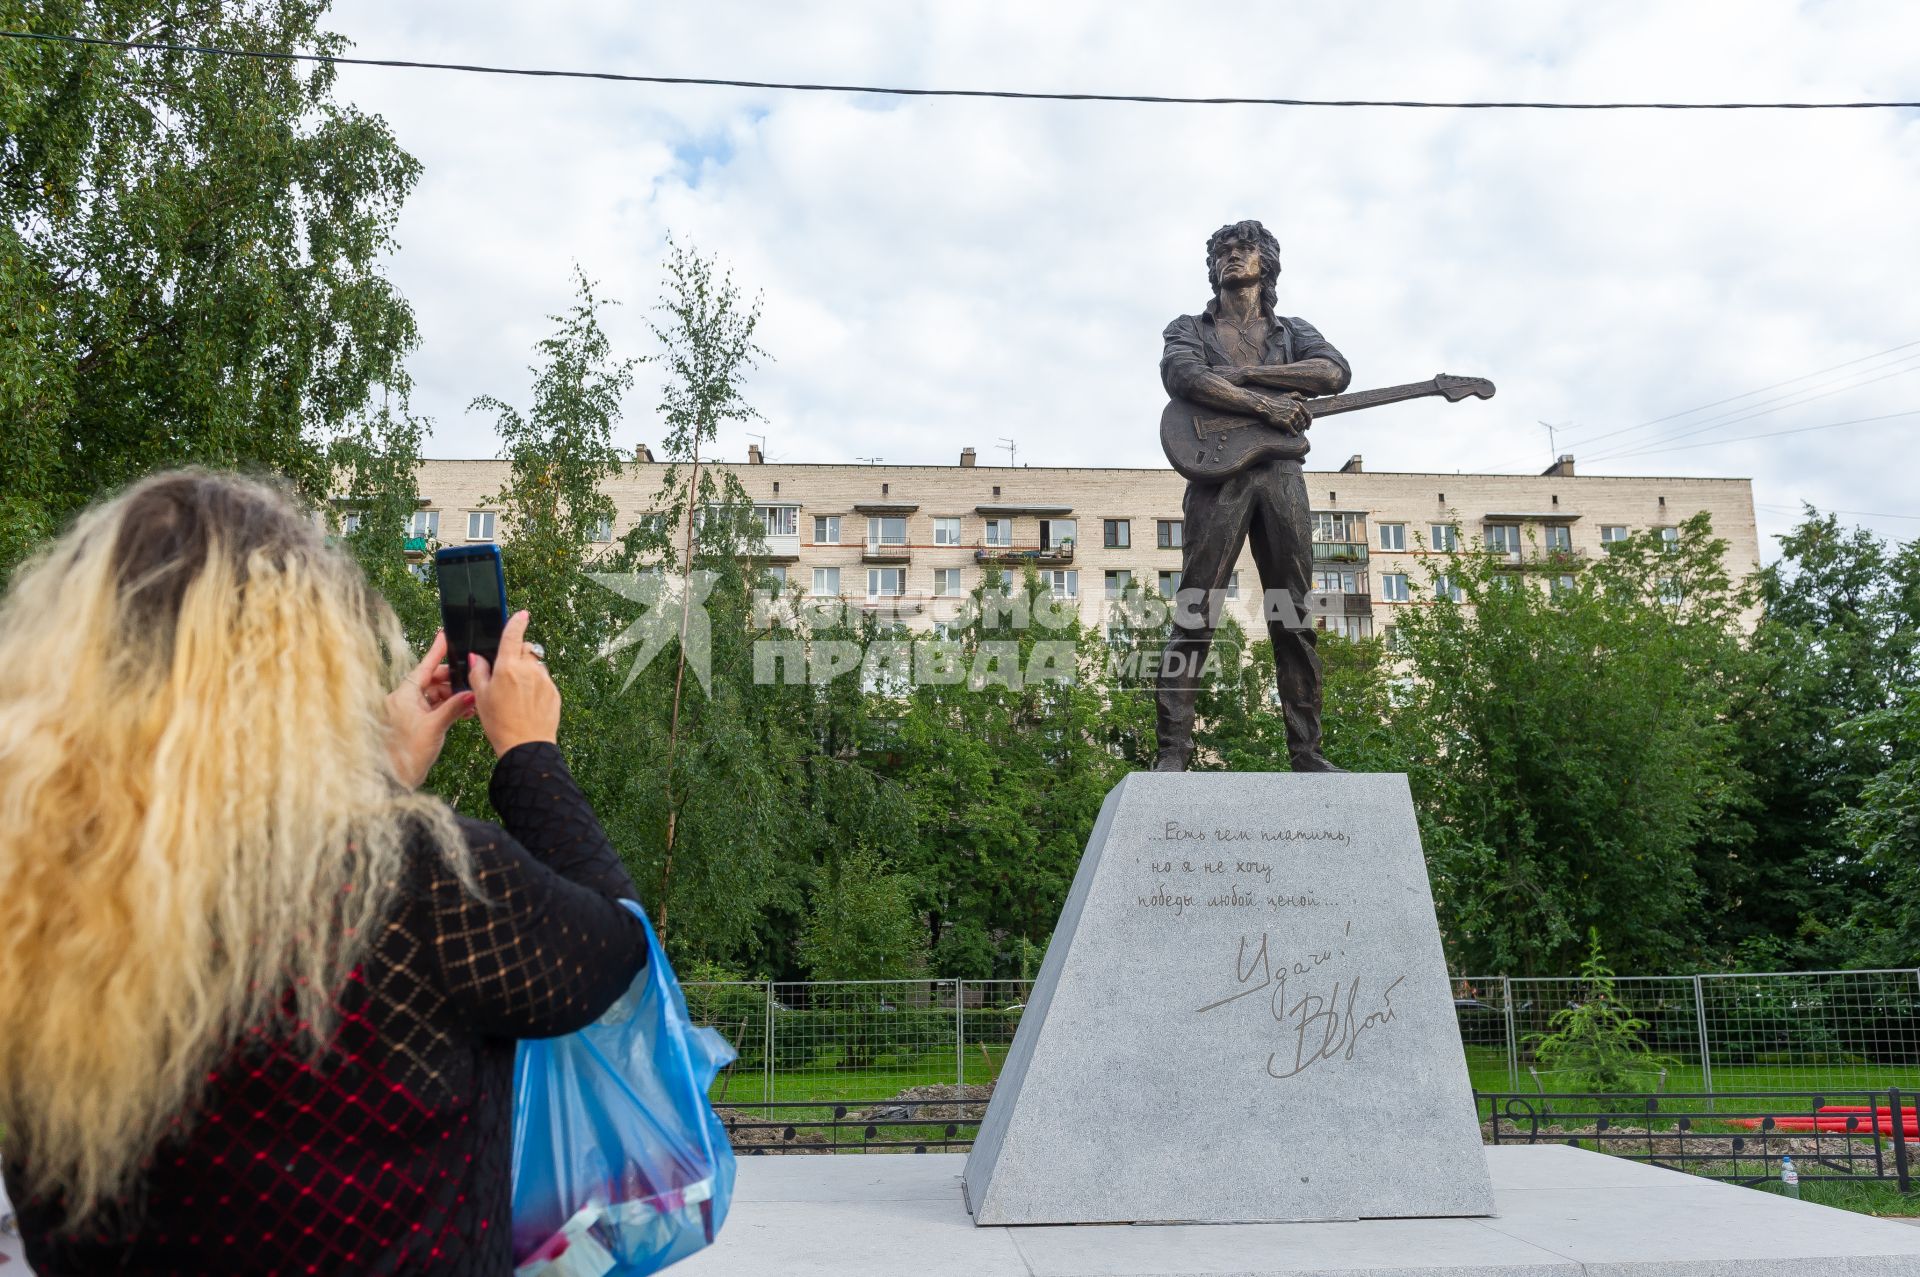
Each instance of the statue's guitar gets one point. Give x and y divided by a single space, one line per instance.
1207 445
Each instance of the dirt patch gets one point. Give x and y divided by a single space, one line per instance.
1696 1148
925 1106
951 1104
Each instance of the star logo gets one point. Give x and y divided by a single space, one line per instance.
673 608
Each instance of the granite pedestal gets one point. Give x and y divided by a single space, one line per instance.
1244 1015
1562 1212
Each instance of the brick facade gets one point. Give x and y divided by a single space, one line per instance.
1554 506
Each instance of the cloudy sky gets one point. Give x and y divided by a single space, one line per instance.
938 273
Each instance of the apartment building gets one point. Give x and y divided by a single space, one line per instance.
916 540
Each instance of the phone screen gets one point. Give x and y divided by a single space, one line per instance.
472 610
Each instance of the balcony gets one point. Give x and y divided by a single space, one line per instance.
1537 559
1342 604
878 551
1039 556
782 547
1339 551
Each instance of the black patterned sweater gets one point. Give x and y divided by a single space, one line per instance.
390 1154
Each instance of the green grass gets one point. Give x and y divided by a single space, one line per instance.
1867 1197
1487 1066
829 1085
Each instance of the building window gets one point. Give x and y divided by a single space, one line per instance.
1503 538
1559 538
1670 539
946 531
1337 527
778 571
946 582
1336 580
424 524
826 529
1168 531
1611 532
1347 627
1445 538
886 529
602 529
826 580
1393 587
1169 584
1562 585
1670 592
351 521
1444 588
886 582
1117 534
480 525
1393 536
999 532
1055 533
1119 581
1233 586
1064 582
778 520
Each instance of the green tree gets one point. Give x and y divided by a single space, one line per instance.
189 253
1883 828
1833 650
1595 1044
1569 746
863 925
1006 769
707 347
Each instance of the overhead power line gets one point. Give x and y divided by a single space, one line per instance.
1774 434
1634 447
1746 394
1154 99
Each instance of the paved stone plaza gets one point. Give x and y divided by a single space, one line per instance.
1563 1212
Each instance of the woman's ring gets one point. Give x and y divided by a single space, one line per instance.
539 653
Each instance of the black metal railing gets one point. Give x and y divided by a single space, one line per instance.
852 1126
1736 1136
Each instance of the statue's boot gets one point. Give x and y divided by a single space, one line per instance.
1303 738
1173 727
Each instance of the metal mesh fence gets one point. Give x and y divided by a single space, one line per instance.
845 1039
1811 1029
1800 1031
1665 1003
740 1010
992 1012
1481 1005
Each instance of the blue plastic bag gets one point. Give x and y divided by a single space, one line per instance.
620 1165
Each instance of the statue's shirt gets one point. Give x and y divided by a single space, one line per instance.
1195 343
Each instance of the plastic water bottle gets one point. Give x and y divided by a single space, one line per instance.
1789 1177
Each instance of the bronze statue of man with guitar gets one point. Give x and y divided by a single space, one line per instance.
1236 428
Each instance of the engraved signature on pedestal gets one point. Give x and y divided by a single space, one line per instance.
1322 1026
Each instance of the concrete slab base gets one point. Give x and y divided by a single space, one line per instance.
1563 1212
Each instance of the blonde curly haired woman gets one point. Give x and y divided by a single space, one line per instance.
258 997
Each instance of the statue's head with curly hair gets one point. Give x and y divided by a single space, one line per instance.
1246 246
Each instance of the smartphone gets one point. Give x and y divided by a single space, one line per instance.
473 604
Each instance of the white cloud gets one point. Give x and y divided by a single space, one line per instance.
941 273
